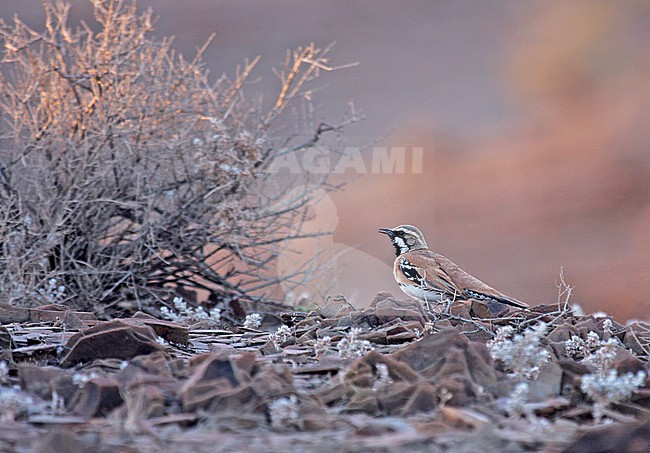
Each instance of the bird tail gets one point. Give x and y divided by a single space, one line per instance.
512 302
501 298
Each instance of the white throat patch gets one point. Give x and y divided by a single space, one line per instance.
399 242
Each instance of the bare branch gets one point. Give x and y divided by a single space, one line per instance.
127 173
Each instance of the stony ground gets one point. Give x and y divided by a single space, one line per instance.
391 377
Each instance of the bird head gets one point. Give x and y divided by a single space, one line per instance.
405 238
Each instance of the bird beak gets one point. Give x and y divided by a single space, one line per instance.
388 232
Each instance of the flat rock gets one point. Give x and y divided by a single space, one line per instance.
487 309
44 380
95 398
6 342
388 308
336 307
10 314
115 339
449 360
170 331
629 437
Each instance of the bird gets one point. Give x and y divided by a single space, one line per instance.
430 277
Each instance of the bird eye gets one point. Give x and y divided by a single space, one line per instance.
410 241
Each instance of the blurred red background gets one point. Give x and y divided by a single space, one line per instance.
533 117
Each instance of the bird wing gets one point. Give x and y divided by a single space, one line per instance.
424 271
472 287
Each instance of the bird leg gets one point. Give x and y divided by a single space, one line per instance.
447 309
424 314
448 303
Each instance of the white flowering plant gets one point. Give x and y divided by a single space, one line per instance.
352 346
280 336
522 354
605 389
253 320
182 312
284 411
605 386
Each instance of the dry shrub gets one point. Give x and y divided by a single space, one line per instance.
125 173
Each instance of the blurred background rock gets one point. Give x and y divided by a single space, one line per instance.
533 117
